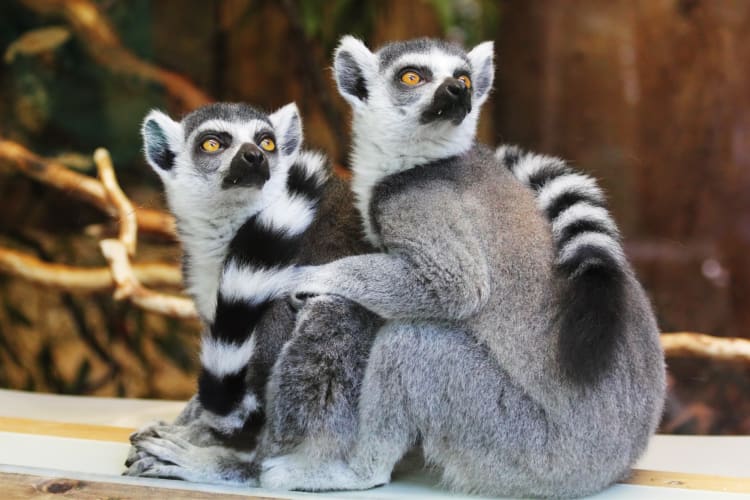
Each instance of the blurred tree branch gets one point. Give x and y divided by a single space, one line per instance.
122 276
118 252
72 278
101 42
88 189
692 344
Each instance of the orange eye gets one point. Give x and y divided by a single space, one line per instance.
466 80
268 145
210 145
411 78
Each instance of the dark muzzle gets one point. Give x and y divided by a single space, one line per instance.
249 168
452 101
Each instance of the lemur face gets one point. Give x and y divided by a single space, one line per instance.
423 89
220 156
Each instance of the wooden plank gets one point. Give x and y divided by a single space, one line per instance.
685 481
120 435
24 486
65 429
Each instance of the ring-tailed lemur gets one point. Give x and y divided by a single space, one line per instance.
482 357
246 207
250 202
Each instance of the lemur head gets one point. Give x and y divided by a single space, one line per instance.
417 98
221 161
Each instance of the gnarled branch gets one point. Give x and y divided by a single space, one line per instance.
128 286
706 346
127 220
82 279
107 195
83 187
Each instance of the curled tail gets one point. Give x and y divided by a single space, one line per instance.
589 260
260 257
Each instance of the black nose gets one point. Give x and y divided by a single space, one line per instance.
451 102
252 155
249 168
455 88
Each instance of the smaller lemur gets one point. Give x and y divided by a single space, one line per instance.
241 219
244 196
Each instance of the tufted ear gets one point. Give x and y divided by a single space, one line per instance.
353 65
162 140
482 70
288 126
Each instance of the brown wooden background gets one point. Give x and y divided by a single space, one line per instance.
650 96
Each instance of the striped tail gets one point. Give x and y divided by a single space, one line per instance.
590 261
261 256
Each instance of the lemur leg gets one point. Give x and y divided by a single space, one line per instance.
386 430
314 388
436 382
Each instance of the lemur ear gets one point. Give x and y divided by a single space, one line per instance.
482 69
288 125
353 65
162 139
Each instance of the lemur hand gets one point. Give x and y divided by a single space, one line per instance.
307 282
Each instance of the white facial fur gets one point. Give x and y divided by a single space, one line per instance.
208 216
387 134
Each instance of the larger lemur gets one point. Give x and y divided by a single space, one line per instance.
526 361
248 204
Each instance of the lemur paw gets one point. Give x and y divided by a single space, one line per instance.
139 464
167 454
148 429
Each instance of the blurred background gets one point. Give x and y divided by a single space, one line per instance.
652 97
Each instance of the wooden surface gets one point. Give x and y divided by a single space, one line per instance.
685 481
63 429
17 486
30 486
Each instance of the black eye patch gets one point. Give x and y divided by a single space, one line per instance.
224 138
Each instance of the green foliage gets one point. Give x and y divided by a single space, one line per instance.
467 21
325 21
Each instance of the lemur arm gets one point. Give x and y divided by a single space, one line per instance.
434 266
396 287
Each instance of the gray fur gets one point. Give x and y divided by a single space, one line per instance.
466 362
227 111
391 52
